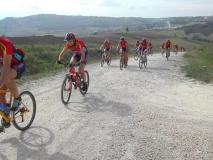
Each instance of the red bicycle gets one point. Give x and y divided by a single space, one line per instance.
73 78
123 63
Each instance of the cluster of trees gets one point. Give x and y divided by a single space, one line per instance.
205 29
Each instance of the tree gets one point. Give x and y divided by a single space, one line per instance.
127 29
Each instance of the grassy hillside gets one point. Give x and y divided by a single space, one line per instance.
196 60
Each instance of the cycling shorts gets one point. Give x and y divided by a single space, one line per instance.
78 57
143 48
19 68
167 47
107 49
123 49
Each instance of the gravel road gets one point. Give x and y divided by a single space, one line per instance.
151 113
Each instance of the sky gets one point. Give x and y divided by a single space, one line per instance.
108 8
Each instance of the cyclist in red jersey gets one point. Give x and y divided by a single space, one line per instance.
136 44
150 47
123 46
13 66
162 47
167 46
107 47
80 54
143 46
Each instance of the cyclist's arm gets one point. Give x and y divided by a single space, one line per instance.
5 70
61 55
101 47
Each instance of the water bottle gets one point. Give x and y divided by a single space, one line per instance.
2 108
5 110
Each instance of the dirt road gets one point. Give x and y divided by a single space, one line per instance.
141 114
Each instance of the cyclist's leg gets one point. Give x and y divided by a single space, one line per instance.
108 56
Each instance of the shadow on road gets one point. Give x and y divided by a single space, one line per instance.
31 145
93 102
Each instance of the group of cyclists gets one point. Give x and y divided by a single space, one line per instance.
13 64
123 47
166 46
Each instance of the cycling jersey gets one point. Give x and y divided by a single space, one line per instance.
123 44
162 45
76 47
168 44
144 45
107 45
7 48
137 44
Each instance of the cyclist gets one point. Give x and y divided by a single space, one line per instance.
13 66
167 46
162 48
150 47
123 46
175 47
136 44
181 48
107 47
80 54
142 47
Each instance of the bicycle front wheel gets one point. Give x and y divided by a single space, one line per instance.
121 64
87 81
102 61
140 62
66 89
136 56
24 117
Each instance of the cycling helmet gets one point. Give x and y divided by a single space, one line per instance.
143 39
122 38
168 40
106 40
69 36
137 41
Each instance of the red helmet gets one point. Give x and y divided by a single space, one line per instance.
168 40
143 39
69 36
106 40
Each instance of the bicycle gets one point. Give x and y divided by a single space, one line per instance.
123 63
143 60
136 55
24 116
150 51
72 78
167 53
105 58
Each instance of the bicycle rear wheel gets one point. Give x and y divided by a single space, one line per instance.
66 89
24 117
87 81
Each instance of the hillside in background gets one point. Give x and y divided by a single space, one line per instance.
58 25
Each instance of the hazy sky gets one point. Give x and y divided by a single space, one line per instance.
108 8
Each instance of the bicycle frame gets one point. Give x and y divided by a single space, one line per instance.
7 119
74 76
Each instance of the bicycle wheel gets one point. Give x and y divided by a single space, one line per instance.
87 81
140 62
102 61
167 56
109 59
24 117
145 63
136 56
121 64
66 89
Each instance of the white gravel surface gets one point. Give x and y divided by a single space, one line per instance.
142 114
